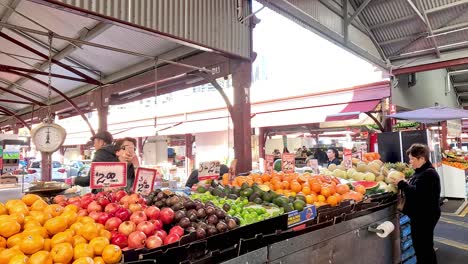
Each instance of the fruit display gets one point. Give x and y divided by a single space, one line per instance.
32 231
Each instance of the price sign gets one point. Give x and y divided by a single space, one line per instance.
144 181
269 159
363 148
108 174
288 162
209 170
348 158
314 166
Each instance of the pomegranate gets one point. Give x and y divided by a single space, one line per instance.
146 227
127 227
85 201
113 223
153 242
167 215
119 195
60 198
123 214
94 215
119 240
94 207
125 200
161 233
111 208
157 224
82 212
152 212
103 217
103 201
136 239
134 207
178 230
138 217
172 238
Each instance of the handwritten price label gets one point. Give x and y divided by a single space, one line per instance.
348 158
144 181
209 170
108 174
269 159
288 162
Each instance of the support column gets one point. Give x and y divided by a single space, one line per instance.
82 154
261 142
241 80
188 153
46 167
102 116
443 138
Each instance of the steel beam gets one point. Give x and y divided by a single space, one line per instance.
9 11
359 10
14 101
21 88
450 5
460 84
21 96
15 70
345 22
8 112
428 26
432 66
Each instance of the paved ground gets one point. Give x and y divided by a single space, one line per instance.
451 238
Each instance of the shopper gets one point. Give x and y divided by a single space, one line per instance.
193 178
422 206
332 155
101 139
125 152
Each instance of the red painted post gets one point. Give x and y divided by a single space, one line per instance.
241 80
188 153
102 117
46 167
261 142
444 133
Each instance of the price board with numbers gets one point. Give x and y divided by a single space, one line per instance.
269 160
144 181
288 162
209 170
348 158
108 174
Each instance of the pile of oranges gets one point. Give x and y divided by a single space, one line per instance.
317 189
34 232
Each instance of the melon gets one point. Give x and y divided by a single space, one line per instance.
361 167
341 167
358 176
277 165
378 162
382 185
332 167
371 186
395 176
380 178
369 176
350 172
339 173
391 188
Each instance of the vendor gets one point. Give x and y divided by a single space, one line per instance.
193 178
332 155
125 152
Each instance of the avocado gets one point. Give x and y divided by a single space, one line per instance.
246 192
253 196
232 196
267 196
301 197
258 200
288 207
201 189
299 205
281 201
245 186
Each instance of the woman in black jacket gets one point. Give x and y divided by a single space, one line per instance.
422 194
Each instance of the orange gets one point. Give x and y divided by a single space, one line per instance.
285 185
321 198
55 225
325 191
32 243
70 216
71 232
71 208
29 198
18 217
40 216
41 257
85 219
18 259
311 198
31 223
54 209
316 187
3 209
9 228
83 250
296 187
86 260
99 260
14 240
112 254
98 244
266 177
3 242
39 205
105 233
306 190
338 196
61 237
47 244
36 230
332 200
18 207
78 240
89 231
360 189
278 186
342 188
76 227
62 253
9 253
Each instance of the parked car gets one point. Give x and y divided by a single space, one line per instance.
84 170
59 173
75 166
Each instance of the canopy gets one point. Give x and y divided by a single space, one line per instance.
432 114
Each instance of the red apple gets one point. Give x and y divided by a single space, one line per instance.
146 227
157 224
85 201
111 208
153 242
119 195
134 207
113 223
138 217
82 212
127 227
94 215
136 239
178 230
161 233
60 198
123 214
103 217
166 215
103 201
94 207
119 240
152 212
172 238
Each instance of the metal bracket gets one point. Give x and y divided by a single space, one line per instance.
373 228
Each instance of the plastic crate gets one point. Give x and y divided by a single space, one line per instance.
407 254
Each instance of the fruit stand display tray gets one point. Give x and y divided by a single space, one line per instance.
46 192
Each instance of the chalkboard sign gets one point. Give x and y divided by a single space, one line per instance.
389 146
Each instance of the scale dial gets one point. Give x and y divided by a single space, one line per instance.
48 137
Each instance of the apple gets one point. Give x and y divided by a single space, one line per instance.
153 242
146 227
111 208
127 227
157 224
82 212
103 201
167 215
60 198
119 195
123 214
119 240
172 238
85 201
94 207
161 233
113 223
136 239
138 217
178 230
134 207
94 215
152 212
103 217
